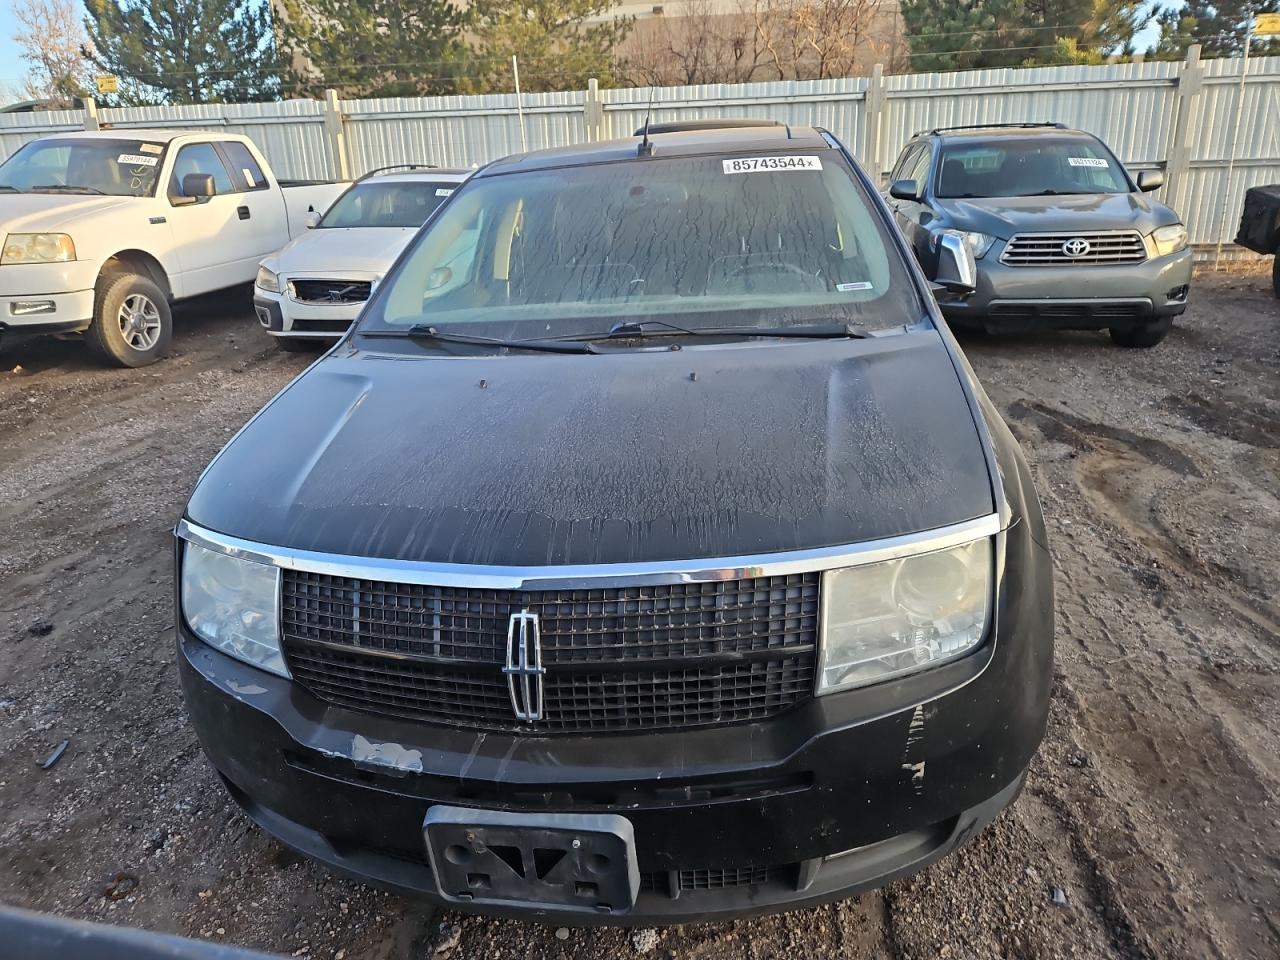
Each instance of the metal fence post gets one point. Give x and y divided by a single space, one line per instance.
1178 159
335 126
90 113
593 112
872 116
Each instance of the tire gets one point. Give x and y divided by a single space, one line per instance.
1275 274
1147 335
132 323
298 344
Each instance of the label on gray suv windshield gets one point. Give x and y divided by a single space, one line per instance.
1086 162
770 164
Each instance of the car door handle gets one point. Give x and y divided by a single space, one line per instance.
243 212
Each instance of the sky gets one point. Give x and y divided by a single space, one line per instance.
12 69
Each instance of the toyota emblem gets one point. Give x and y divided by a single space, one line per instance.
1075 248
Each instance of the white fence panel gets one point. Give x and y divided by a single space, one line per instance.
458 131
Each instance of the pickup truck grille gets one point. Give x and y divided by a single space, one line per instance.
616 659
330 291
1052 249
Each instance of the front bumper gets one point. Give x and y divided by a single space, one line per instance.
1084 297
47 297
841 794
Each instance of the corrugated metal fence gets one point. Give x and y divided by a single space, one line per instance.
1174 116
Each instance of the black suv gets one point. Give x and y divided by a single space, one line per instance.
1063 236
666 562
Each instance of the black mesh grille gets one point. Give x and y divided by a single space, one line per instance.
330 291
714 878
631 658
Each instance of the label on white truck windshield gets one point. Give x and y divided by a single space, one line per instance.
770 164
135 160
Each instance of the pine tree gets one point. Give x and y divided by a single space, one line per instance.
974 34
1218 27
185 51
556 46
375 48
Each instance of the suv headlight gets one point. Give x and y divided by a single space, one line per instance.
37 248
266 280
1169 239
231 604
978 243
884 619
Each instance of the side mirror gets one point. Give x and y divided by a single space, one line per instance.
957 270
905 190
312 220
198 186
1149 180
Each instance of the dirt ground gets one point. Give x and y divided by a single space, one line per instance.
1150 826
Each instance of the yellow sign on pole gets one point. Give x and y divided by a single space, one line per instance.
107 84
1267 25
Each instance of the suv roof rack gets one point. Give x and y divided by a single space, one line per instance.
397 166
994 126
685 126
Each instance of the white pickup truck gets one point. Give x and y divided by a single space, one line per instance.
103 231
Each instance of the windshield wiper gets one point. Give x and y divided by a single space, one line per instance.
55 187
423 331
808 331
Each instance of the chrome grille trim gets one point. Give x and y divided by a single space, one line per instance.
1045 249
594 575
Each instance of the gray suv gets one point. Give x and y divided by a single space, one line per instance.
1063 237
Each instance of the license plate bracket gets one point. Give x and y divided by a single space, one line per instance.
581 863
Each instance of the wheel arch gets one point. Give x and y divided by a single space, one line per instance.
141 263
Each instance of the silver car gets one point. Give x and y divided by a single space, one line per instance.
1063 237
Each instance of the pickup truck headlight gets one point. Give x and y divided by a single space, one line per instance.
37 248
231 604
884 619
1169 239
266 280
978 243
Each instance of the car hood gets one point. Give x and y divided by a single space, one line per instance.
39 212
339 251
1004 216
542 459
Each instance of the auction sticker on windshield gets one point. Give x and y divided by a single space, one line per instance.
1086 162
136 160
770 164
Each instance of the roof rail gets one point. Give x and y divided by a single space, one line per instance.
397 166
685 126
994 126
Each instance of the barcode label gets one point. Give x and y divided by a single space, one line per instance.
770 164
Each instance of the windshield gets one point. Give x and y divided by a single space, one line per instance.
1027 168
118 168
703 241
398 204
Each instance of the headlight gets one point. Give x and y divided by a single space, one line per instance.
37 248
1169 239
978 243
883 619
231 604
266 280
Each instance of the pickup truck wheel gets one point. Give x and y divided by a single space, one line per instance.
132 324
298 344
1147 335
